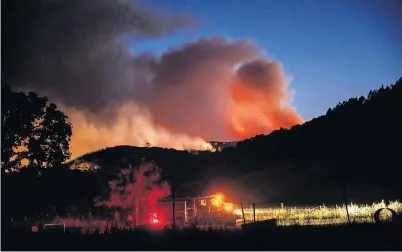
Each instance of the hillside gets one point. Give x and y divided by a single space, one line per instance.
355 144
222 145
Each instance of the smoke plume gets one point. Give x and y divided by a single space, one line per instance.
77 53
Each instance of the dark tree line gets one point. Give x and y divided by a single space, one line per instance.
356 143
361 136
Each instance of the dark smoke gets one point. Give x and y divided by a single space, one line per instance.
76 52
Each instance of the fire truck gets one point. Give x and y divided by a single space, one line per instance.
206 211
202 212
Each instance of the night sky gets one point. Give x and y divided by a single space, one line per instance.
334 50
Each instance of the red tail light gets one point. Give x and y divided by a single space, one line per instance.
154 218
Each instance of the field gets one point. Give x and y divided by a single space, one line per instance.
285 216
299 228
341 237
321 215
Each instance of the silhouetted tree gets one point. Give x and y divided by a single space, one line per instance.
33 131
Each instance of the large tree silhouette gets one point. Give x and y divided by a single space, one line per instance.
34 132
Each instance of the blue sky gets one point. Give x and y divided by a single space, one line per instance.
333 49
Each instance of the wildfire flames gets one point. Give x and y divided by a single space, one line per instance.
133 125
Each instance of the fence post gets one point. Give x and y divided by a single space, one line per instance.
346 202
242 211
173 207
194 208
137 212
254 212
185 211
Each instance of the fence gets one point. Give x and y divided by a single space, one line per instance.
319 215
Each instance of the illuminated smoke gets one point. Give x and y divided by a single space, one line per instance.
260 100
222 89
132 125
210 89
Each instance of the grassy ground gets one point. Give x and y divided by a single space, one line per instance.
322 215
353 237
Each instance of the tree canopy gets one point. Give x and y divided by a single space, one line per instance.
34 132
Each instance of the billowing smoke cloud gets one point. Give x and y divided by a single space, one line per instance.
222 90
261 102
76 52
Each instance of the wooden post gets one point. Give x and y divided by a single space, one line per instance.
40 221
345 199
194 207
137 212
254 212
185 211
147 207
173 207
242 211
